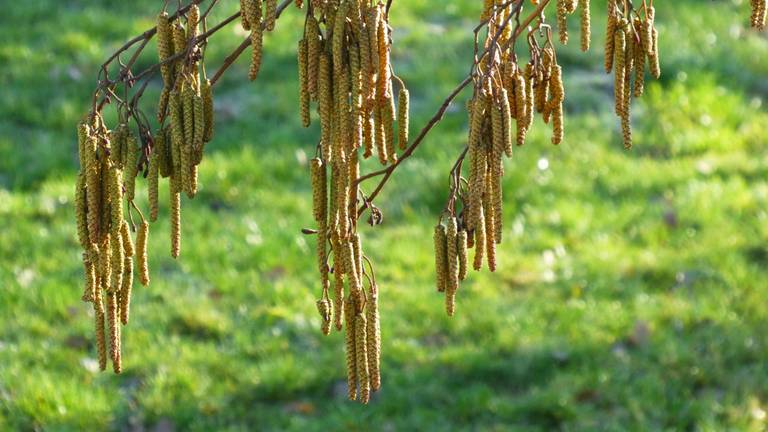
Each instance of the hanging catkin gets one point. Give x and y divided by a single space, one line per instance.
114 331
303 84
373 335
452 256
461 247
351 347
441 257
403 104
125 291
141 253
586 30
361 358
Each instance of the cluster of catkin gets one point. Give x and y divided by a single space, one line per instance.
178 146
344 66
631 44
257 16
109 163
759 13
501 112
568 7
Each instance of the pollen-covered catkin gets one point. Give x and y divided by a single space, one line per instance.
319 189
490 231
175 223
303 84
385 74
351 347
101 337
441 257
452 256
610 39
361 358
324 309
461 247
90 278
164 50
141 252
257 44
373 335
403 105
81 212
586 30
562 20
270 12
313 54
125 291
620 51
116 258
114 331
479 239
206 91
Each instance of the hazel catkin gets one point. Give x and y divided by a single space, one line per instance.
361 358
373 335
141 252
441 257
403 104
351 347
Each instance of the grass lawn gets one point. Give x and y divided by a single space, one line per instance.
630 293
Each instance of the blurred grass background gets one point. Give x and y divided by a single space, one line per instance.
631 290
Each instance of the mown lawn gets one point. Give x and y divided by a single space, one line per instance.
631 289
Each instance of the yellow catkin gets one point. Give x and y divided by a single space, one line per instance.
388 121
198 107
479 234
524 106
116 139
322 253
496 196
640 54
325 104
117 257
105 263
373 335
372 18
351 347
101 339
177 134
125 291
562 21
403 105
270 12
558 96
338 295
313 54
361 358
490 230
506 123
303 84
610 39
90 278
244 16
654 59
324 309
383 60
618 86
380 134
193 21
175 224
257 43
477 186
461 247
441 257
188 102
141 252
452 256
125 235
107 188
586 25
114 331
338 41
319 189
81 212
180 47
115 199
206 91
131 167
153 186
357 108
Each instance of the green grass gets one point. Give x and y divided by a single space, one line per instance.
631 289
